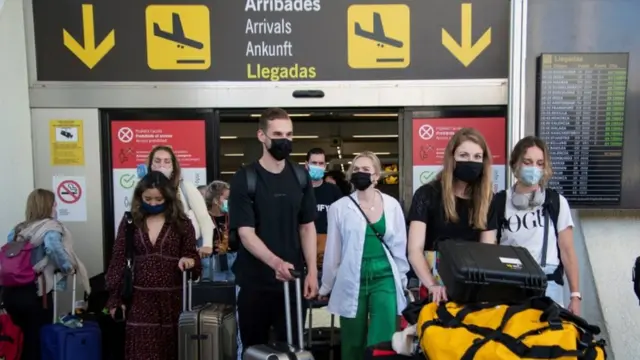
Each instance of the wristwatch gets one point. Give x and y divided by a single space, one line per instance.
576 295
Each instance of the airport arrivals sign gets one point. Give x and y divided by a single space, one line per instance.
270 40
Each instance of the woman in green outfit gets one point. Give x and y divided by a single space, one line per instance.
365 263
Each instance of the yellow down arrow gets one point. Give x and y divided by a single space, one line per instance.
466 51
90 55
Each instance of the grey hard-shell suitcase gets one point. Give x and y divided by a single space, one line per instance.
206 332
288 351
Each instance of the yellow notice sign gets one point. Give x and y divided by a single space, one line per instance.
379 36
67 142
178 37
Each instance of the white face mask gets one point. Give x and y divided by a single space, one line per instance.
167 171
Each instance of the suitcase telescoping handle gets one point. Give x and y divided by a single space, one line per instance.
287 309
55 296
187 291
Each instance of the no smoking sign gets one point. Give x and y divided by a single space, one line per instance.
69 192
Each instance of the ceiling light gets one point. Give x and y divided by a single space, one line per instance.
228 137
376 115
298 154
305 136
375 136
227 172
376 153
234 155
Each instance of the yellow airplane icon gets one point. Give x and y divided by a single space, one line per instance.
378 36
178 37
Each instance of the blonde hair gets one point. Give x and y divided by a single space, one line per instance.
517 155
377 166
39 205
214 190
480 192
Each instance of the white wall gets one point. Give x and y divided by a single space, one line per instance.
87 235
16 161
612 239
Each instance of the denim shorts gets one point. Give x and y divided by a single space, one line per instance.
554 290
211 268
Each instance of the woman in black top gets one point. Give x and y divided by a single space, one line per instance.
453 206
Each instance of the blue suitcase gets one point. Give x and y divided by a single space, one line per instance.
60 342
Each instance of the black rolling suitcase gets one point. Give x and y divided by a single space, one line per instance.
478 272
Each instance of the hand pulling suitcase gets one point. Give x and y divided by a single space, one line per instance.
288 351
206 332
60 342
478 272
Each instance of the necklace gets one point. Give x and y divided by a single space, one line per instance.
370 209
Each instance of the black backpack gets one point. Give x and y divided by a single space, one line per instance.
551 206
252 181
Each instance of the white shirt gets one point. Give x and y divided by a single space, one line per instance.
343 253
526 229
196 209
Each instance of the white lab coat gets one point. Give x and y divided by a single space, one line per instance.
343 253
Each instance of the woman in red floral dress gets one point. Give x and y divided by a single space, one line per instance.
165 245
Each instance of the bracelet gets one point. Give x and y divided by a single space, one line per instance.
432 286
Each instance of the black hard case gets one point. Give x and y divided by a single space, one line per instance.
478 272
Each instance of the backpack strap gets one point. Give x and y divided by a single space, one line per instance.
129 232
551 206
252 177
499 208
252 180
301 174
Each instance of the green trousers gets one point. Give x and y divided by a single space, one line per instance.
376 318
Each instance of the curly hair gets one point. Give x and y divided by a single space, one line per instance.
174 211
214 190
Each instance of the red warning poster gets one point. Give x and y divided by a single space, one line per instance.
133 140
430 138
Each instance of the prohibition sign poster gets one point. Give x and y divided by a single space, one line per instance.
71 198
430 138
133 140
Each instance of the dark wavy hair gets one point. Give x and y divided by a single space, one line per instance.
174 211
177 171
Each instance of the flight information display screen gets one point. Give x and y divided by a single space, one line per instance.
580 115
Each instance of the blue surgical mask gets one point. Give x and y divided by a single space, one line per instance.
153 209
225 206
530 175
316 172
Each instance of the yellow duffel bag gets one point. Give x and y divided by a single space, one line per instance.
535 329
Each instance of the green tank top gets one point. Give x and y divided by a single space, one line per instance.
373 248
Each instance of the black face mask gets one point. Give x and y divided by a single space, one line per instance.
468 171
280 149
361 180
